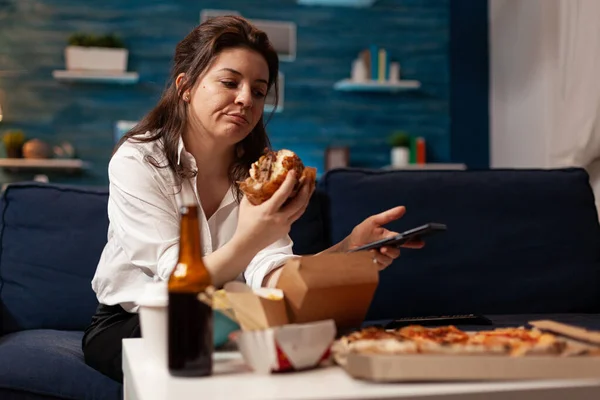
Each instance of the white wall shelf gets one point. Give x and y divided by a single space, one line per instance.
9 73
338 3
348 85
126 78
282 34
43 164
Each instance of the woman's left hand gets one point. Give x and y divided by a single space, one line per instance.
371 229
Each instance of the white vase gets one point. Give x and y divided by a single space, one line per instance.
400 156
96 58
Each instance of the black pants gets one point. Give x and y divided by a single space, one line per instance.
102 341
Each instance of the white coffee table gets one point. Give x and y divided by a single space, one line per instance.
145 380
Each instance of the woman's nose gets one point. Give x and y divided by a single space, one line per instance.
244 97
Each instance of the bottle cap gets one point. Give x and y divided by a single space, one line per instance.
155 294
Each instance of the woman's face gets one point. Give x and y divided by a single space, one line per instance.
228 99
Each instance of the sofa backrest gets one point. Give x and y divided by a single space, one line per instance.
51 238
518 241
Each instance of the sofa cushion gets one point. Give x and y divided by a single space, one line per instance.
50 363
51 239
518 241
8 394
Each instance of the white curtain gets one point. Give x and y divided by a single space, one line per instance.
575 139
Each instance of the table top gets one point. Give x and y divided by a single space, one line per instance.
232 379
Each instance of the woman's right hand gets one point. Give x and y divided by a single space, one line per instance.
261 225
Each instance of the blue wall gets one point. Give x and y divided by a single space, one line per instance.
469 83
415 32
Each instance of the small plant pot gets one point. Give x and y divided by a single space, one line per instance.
96 58
14 152
400 156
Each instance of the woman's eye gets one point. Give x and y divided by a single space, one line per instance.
259 94
229 84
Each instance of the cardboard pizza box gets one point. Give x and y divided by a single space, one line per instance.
580 360
569 331
338 286
422 367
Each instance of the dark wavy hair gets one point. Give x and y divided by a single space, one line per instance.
193 55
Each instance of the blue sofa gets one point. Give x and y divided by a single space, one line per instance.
520 244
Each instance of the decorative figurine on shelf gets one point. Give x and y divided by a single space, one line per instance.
64 150
400 153
36 148
13 143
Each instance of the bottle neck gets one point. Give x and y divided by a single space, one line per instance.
189 235
190 274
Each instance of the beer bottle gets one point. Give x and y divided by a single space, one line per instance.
190 321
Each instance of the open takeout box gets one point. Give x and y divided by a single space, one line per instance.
268 342
294 325
584 362
339 286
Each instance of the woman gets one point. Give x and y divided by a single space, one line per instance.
199 140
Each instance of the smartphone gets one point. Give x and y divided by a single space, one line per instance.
398 240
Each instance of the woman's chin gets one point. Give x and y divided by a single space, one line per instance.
234 133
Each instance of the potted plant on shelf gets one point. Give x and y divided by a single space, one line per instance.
13 143
400 153
96 52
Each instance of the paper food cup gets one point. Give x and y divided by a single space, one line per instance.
153 320
287 348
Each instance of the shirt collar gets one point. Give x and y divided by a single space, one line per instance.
229 196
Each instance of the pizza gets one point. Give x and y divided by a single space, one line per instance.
417 339
371 340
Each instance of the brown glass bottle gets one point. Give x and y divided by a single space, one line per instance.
190 321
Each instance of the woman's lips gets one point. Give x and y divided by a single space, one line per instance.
238 119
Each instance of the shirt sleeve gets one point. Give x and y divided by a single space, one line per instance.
267 260
144 213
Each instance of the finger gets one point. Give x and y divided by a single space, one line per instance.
283 192
390 252
299 213
380 260
388 216
298 203
296 216
414 244
383 258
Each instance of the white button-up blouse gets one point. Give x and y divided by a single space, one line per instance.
143 232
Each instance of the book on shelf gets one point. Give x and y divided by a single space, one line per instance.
376 62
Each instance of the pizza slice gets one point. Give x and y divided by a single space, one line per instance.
446 340
371 340
520 341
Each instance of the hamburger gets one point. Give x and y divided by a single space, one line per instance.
269 171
